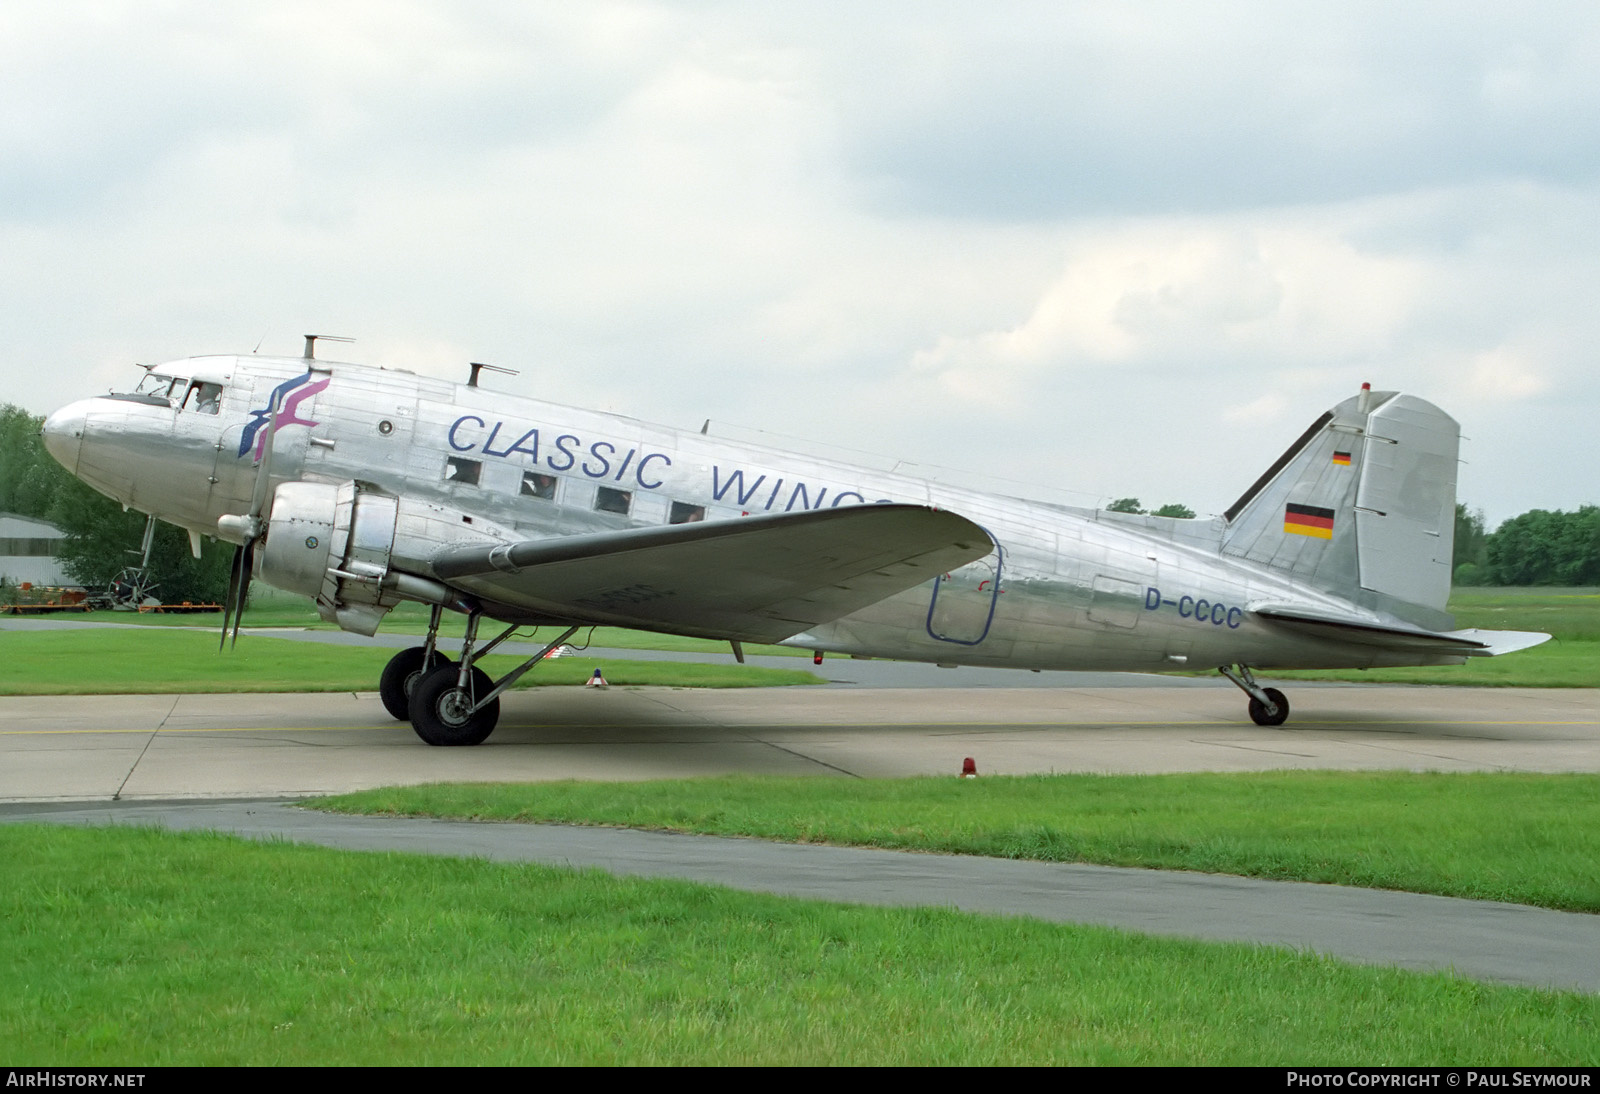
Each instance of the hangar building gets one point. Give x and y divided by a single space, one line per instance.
28 549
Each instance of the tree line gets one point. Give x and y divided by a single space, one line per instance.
1538 547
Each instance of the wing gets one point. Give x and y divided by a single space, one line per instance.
758 579
1320 623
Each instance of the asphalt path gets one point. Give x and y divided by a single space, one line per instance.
1478 939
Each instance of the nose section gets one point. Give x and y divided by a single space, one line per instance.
63 434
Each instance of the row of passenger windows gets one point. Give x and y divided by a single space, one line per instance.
607 499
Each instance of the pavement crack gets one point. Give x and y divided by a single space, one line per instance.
117 796
746 733
1247 748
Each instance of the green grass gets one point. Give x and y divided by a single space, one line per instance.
113 661
277 609
1527 839
1567 614
133 948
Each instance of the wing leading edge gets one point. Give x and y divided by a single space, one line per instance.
757 579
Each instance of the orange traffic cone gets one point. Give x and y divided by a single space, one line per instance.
969 768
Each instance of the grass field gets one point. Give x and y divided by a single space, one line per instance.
134 947
270 608
113 661
1527 839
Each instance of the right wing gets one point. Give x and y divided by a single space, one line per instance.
757 579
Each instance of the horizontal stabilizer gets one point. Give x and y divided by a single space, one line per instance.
1321 623
1498 642
759 578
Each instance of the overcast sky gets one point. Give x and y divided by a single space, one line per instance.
1121 248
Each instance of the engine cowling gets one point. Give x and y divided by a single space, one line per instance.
357 552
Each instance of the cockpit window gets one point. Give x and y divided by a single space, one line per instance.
155 390
158 386
203 397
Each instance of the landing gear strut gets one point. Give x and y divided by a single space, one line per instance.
1268 706
457 704
405 668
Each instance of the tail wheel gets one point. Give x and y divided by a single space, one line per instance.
1258 709
441 710
400 678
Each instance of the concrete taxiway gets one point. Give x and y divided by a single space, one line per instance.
211 746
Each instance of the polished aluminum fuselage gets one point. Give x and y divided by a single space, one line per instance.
1065 588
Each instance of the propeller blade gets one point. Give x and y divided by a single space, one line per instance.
246 568
232 597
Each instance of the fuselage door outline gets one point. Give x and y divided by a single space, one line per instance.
970 593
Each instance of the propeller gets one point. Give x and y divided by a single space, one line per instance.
247 530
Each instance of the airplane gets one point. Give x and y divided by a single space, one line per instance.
362 487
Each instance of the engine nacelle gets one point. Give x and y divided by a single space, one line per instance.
339 544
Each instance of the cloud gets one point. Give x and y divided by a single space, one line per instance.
1176 296
1181 108
1503 373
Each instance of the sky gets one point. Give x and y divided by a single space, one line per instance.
1083 250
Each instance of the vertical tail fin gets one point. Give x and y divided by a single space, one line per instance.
1362 505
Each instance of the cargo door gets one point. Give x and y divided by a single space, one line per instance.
961 608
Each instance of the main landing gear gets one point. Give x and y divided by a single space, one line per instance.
405 668
449 702
1268 706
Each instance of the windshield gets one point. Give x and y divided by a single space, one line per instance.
158 386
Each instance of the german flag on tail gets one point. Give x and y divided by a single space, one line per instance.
1308 520
1342 459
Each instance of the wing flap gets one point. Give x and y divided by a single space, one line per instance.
1320 623
760 578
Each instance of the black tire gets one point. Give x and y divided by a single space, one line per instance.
400 678
438 708
1258 709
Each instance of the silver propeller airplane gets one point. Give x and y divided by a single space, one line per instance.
363 487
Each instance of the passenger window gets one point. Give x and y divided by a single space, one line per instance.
463 471
535 485
608 500
684 513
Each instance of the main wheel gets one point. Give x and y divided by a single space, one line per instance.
400 678
1258 709
441 711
